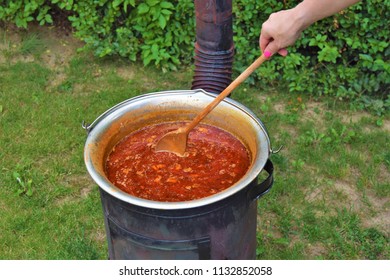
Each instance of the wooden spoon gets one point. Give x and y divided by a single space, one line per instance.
176 141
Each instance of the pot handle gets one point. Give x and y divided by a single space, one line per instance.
265 186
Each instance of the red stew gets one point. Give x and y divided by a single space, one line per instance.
214 161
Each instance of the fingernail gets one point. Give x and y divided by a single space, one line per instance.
267 54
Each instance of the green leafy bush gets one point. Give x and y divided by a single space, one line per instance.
24 11
346 55
155 31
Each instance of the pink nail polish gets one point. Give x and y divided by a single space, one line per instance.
267 54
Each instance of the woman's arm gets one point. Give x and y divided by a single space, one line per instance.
283 28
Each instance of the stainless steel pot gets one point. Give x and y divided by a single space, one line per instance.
219 226
158 107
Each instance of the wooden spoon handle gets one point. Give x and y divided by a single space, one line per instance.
242 77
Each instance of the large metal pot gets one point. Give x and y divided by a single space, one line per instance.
221 226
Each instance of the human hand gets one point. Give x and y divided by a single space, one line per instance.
281 30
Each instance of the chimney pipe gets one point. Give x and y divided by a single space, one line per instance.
214 48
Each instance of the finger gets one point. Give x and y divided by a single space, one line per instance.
264 40
271 49
283 52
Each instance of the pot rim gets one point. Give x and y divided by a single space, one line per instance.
106 185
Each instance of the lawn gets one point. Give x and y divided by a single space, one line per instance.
330 199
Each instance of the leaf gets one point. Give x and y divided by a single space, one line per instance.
48 18
16 175
175 60
166 12
166 5
379 64
154 50
147 60
143 9
379 122
21 22
133 56
155 11
19 191
29 192
27 7
366 57
152 2
162 22
116 3
328 54
105 51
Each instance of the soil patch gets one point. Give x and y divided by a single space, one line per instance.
316 250
83 183
99 235
125 73
265 224
314 112
58 48
373 211
386 125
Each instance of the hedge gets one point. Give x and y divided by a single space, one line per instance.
345 55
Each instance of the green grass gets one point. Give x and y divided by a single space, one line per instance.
331 194
32 44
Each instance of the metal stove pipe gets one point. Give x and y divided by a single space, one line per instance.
214 48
